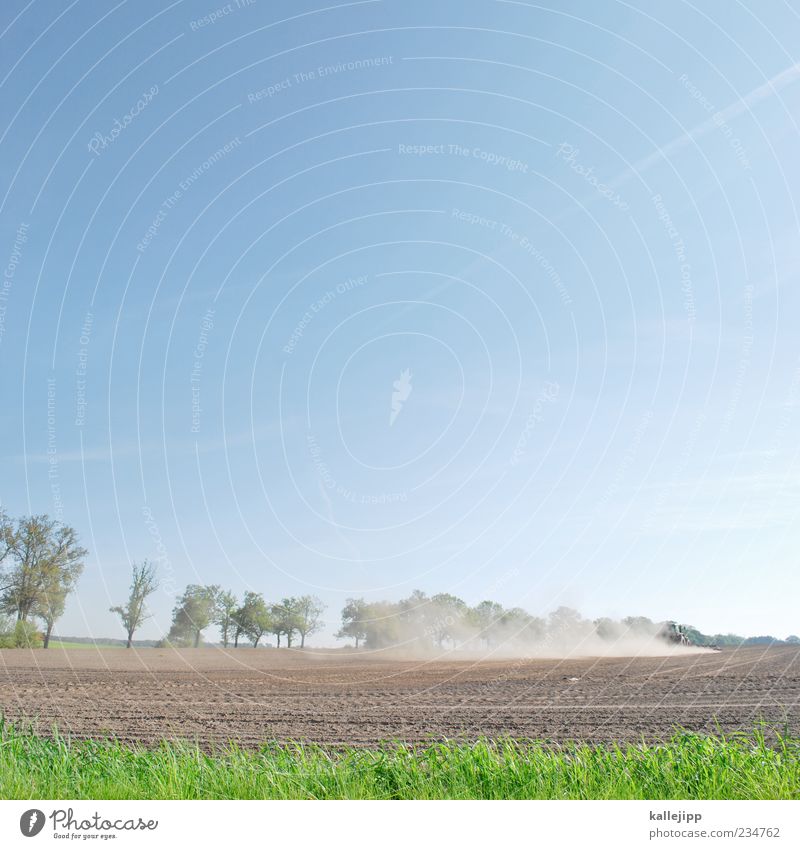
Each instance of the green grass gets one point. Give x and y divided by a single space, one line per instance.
689 766
61 644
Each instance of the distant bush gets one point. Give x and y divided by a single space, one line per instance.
6 633
27 636
19 635
761 641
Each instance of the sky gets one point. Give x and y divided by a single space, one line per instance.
491 298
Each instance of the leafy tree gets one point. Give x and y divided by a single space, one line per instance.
27 635
16 634
607 629
227 605
6 540
724 640
384 625
253 618
143 584
193 613
50 606
640 625
793 640
6 632
44 554
445 618
519 626
354 616
413 608
309 610
285 620
237 625
486 617
761 641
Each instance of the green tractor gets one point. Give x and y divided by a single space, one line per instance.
674 633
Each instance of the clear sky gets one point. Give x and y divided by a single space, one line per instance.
494 298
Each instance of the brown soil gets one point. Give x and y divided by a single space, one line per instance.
252 696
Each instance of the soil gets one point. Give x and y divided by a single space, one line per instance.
358 698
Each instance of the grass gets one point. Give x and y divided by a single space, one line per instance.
62 644
689 766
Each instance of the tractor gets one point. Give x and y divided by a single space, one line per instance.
672 632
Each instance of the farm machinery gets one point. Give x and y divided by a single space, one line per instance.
674 633
677 634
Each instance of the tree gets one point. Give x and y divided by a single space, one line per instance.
238 629
193 613
567 629
641 625
413 608
44 554
354 619
143 584
607 629
18 634
486 618
519 626
50 606
445 618
253 617
793 640
285 620
6 539
384 626
227 605
309 610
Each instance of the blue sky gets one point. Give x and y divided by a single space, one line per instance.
229 230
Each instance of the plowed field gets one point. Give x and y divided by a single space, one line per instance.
247 695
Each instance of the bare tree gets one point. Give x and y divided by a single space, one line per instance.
143 584
308 610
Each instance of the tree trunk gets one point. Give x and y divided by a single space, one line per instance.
279 640
47 636
197 638
130 640
255 642
302 641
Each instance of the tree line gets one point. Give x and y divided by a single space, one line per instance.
41 560
444 620
252 617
